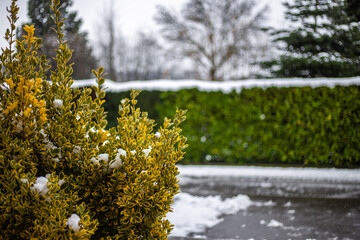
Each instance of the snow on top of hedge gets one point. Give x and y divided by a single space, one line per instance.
289 173
225 86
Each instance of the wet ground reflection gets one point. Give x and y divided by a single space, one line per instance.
282 209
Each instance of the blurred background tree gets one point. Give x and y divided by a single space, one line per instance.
140 58
218 36
324 40
39 13
353 9
144 59
109 39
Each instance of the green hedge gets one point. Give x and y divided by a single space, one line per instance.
295 125
147 101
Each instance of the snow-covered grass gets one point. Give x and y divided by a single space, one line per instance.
226 86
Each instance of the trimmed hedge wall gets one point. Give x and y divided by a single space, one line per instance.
294 125
148 101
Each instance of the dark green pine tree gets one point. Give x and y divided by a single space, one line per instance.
39 13
353 9
324 40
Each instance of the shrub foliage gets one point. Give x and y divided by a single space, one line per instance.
62 175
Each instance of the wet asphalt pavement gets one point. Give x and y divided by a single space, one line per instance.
291 209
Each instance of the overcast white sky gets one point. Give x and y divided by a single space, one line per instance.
133 15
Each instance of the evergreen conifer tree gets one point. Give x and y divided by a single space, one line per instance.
353 9
324 41
39 13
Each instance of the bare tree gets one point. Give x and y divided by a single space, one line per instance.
214 34
147 57
122 56
124 60
141 60
107 41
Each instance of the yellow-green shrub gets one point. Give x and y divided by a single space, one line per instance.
62 176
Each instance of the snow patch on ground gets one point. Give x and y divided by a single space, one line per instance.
275 224
224 86
193 214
